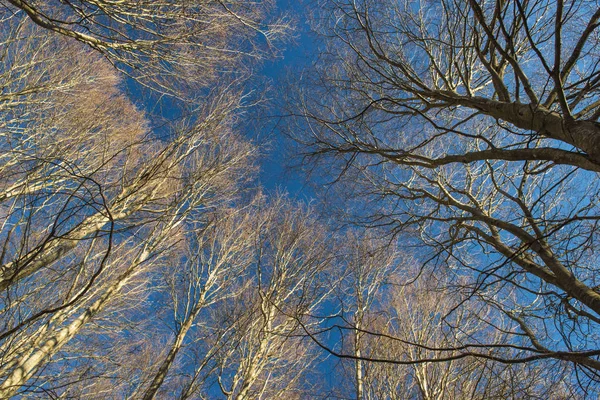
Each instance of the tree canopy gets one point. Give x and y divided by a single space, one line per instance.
449 251
470 129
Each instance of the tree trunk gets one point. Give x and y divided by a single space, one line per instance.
163 370
28 366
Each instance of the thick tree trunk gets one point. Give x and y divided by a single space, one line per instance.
584 135
128 202
29 365
43 256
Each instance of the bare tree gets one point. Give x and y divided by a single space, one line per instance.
96 195
368 266
474 124
217 260
173 47
413 322
57 170
267 355
209 172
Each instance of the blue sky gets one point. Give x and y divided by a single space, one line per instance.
296 55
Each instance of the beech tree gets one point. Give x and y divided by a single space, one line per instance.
369 266
97 193
139 259
209 177
172 47
413 321
215 264
473 124
267 355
